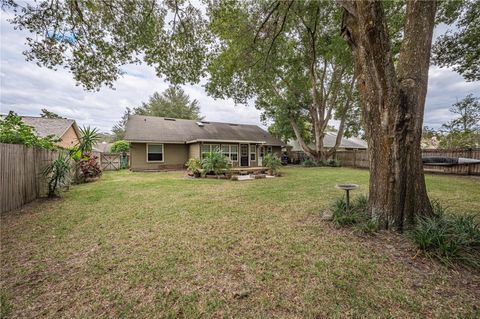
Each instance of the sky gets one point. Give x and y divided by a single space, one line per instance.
26 88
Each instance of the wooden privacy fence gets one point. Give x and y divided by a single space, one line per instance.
21 179
359 159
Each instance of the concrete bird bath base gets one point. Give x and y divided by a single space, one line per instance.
347 188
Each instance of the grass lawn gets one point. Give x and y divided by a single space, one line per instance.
157 244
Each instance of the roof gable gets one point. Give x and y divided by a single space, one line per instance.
168 130
45 126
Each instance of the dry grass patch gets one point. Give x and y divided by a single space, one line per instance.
156 244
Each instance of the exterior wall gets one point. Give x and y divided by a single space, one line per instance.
194 150
174 157
69 139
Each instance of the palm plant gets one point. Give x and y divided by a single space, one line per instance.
272 162
57 173
214 162
88 138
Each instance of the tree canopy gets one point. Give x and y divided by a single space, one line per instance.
94 39
173 102
290 58
50 115
468 111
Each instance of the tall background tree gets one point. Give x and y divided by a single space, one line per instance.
464 130
50 115
173 102
290 58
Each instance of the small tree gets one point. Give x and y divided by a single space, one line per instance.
468 111
88 138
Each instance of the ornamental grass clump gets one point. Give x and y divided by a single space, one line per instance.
357 212
448 236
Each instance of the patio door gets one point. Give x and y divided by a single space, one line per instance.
244 155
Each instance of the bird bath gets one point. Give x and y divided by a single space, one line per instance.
347 188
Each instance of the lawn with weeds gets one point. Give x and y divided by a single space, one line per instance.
162 245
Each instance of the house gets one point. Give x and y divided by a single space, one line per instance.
160 143
297 155
64 129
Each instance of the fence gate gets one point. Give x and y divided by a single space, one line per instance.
110 161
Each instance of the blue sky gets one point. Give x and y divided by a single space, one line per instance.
27 88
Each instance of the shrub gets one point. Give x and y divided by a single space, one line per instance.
194 165
309 163
214 163
120 147
448 237
272 162
89 167
331 163
357 214
57 173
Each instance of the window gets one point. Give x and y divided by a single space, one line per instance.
226 151
154 152
269 150
234 152
207 148
253 152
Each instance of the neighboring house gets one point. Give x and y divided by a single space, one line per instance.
158 143
297 154
103 147
64 129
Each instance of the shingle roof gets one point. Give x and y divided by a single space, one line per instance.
46 126
329 141
160 129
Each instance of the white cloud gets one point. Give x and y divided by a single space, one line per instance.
27 88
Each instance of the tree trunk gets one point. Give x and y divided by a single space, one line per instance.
393 102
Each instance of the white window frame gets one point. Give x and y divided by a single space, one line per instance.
253 151
163 153
211 148
237 152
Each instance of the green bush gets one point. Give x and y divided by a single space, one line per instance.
194 165
331 163
214 163
449 237
272 162
120 147
309 163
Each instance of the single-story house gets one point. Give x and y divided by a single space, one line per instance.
297 155
64 129
160 143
